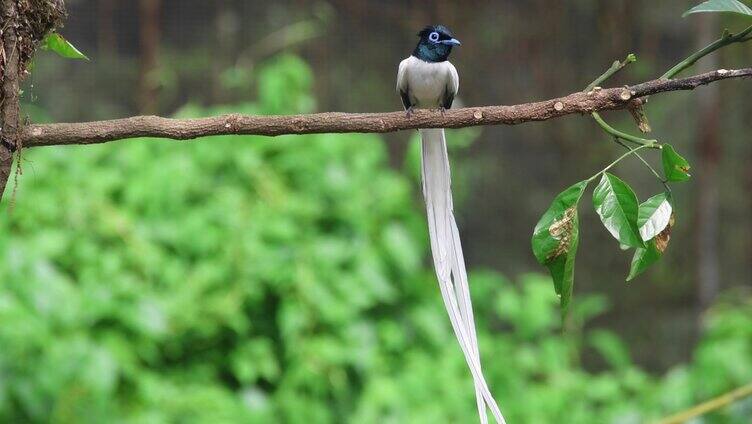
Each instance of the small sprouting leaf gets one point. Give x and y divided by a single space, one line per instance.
653 216
675 167
61 46
616 204
716 6
644 257
555 241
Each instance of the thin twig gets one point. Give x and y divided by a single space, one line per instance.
726 39
620 134
619 159
709 406
647 164
615 67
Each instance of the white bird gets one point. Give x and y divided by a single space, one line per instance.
428 80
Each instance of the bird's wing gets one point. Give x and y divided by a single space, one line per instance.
454 78
402 75
452 86
402 87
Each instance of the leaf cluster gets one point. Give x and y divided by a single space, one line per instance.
644 227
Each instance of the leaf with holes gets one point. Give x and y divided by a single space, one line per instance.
555 240
675 167
61 46
718 6
616 204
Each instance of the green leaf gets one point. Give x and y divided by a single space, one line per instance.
654 248
61 46
717 6
675 167
547 234
654 215
616 204
555 240
643 258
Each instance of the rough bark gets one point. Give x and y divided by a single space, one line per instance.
24 24
9 69
335 122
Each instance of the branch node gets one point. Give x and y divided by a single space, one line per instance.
638 113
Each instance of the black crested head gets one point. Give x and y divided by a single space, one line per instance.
436 42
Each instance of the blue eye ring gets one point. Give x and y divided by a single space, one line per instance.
434 36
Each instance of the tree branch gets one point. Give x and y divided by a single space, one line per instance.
335 122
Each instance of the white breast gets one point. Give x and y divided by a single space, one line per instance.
426 81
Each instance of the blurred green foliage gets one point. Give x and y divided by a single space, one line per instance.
247 279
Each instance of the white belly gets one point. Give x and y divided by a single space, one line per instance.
427 82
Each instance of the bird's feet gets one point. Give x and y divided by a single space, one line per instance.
409 112
442 109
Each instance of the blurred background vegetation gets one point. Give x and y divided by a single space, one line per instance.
247 279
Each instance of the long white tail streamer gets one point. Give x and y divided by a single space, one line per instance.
449 263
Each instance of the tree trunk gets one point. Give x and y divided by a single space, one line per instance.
9 68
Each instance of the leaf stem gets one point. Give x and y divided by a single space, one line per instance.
621 135
648 165
726 39
618 135
619 159
615 67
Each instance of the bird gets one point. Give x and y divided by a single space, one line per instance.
427 80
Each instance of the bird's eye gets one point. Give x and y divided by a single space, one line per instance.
434 36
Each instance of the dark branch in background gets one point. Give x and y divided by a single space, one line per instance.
148 34
708 146
334 122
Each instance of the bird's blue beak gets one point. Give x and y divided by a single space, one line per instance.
451 42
